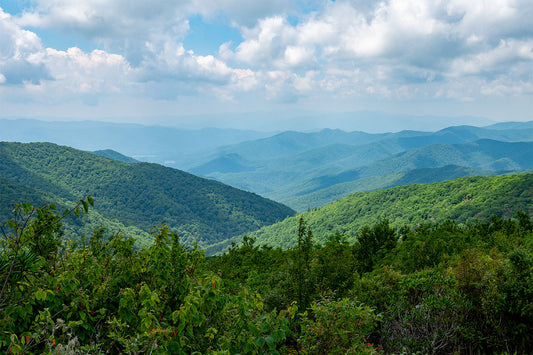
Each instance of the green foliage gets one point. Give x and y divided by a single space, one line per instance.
373 244
338 327
336 264
437 288
301 270
104 296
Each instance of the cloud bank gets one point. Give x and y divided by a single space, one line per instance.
289 53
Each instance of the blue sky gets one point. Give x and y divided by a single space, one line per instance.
258 64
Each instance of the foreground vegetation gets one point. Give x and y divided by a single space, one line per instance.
438 288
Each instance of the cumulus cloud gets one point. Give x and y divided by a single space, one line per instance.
17 54
392 49
95 72
394 45
26 64
507 57
171 61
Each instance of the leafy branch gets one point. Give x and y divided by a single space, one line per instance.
23 233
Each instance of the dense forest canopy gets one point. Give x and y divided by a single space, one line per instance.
437 288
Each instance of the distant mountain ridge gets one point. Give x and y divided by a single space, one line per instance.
164 145
136 194
288 166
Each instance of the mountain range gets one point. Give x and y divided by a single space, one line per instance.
303 170
295 167
168 146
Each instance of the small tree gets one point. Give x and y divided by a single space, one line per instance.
301 272
373 244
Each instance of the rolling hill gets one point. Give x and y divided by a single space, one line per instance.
327 195
483 154
464 199
139 195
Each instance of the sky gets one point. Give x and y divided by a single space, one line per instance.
265 64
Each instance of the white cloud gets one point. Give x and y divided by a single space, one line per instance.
56 74
502 59
18 49
97 72
392 50
171 61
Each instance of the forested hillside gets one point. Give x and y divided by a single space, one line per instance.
326 195
423 268
136 194
464 200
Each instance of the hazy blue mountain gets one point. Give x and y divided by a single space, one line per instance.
483 154
290 143
329 148
511 125
230 163
165 145
294 163
306 188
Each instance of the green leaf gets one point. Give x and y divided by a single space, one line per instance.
260 341
27 207
85 206
40 295
270 342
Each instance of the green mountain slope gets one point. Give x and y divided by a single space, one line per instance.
416 176
139 194
464 200
74 227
